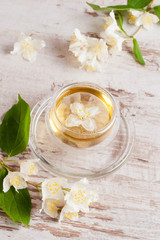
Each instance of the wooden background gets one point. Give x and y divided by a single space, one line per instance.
129 205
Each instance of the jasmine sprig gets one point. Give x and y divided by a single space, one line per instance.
138 5
9 168
136 49
14 195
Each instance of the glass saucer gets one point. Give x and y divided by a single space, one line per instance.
92 162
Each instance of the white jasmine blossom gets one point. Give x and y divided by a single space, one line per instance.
133 15
52 189
29 167
53 196
68 212
15 179
97 53
80 197
83 116
89 51
113 40
146 20
139 18
78 45
51 207
28 47
111 23
92 65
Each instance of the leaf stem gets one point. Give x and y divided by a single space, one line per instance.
5 165
10 160
123 31
35 185
6 159
127 39
136 32
150 6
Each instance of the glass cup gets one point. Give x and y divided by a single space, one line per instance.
82 115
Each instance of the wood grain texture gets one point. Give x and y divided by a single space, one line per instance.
129 205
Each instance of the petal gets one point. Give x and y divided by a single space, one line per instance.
6 184
78 199
62 111
30 56
135 13
50 208
89 124
73 121
16 179
76 107
84 181
114 42
77 33
29 167
93 111
78 43
68 212
51 188
80 196
23 36
93 196
147 19
112 16
155 19
82 57
79 36
98 50
110 23
17 48
92 65
38 44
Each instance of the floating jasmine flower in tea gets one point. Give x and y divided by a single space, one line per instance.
87 115
81 115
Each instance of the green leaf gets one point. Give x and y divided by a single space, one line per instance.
110 8
120 22
14 130
17 205
139 3
157 10
137 52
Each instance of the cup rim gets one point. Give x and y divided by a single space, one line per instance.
55 98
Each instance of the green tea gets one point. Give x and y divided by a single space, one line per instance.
80 116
